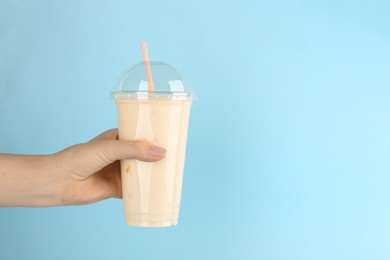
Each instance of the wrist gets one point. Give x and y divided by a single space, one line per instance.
30 180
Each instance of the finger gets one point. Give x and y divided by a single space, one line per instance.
109 151
111 134
91 157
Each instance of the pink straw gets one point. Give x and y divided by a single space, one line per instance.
148 71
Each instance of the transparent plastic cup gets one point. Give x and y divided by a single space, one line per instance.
152 190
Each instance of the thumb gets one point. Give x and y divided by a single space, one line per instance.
112 150
88 158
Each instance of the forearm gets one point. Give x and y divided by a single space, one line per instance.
29 180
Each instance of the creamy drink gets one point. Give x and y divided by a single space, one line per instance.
155 109
152 190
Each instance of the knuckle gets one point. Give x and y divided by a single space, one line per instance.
106 154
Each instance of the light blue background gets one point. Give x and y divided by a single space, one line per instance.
288 153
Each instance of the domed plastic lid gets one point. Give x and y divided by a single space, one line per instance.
168 83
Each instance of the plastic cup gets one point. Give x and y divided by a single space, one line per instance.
152 190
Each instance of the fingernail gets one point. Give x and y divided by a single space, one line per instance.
157 151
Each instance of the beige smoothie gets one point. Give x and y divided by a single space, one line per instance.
152 190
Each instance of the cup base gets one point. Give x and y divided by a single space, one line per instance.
152 219
140 223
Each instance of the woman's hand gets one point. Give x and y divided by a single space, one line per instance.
81 174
